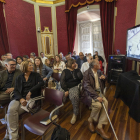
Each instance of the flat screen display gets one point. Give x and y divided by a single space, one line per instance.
133 42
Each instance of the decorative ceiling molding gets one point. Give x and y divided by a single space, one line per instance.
48 1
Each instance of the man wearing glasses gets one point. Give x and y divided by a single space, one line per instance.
7 80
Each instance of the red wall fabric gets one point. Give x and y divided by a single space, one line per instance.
62 29
21 27
45 17
126 15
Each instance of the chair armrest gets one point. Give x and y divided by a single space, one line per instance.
32 100
50 116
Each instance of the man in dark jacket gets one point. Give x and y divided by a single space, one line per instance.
81 60
7 80
93 83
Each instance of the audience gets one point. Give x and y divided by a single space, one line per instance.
74 55
25 57
3 58
48 63
67 58
1 67
7 80
100 62
32 57
19 60
28 85
81 60
85 65
9 56
62 57
93 82
42 69
43 58
58 65
100 57
70 79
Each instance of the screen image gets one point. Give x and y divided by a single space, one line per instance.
133 42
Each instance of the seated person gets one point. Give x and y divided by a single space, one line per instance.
32 57
28 85
67 58
43 58
81 60
85 65
100 57
1 67
62 57
9 56
42 69
58 65
25 57
100 62
74 55
93 82
69 81
7 80
3 58
48 63
19 60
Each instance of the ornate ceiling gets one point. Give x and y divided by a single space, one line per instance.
48 1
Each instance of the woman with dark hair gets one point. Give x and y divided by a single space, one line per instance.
25 57
100 62
42 69
19 60
58 65
70 79
27 85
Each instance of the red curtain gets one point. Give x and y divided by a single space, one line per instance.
4 46
107 25
71 27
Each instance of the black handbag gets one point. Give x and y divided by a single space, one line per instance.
60 133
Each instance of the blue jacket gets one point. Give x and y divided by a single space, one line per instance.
79 62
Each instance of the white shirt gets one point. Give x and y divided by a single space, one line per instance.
43 59
61 66
84 67
97 85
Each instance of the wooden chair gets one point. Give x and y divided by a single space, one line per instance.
33 124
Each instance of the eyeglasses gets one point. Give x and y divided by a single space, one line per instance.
12 65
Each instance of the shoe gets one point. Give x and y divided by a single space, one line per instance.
5 139
91 127
102 133
73 120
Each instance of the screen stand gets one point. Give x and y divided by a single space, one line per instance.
135 66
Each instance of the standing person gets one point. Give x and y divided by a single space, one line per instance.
43 58
28 85
7 80
93 83
32 57
19 60
25 57
100 57
81 60
42 69
69 81
85 65
58 65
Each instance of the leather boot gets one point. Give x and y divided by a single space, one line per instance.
91 127
102 133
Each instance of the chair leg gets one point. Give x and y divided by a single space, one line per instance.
21 129
43 137
23 132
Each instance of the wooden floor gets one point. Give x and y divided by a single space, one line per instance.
126 128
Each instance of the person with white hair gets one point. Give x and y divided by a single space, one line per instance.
85 65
